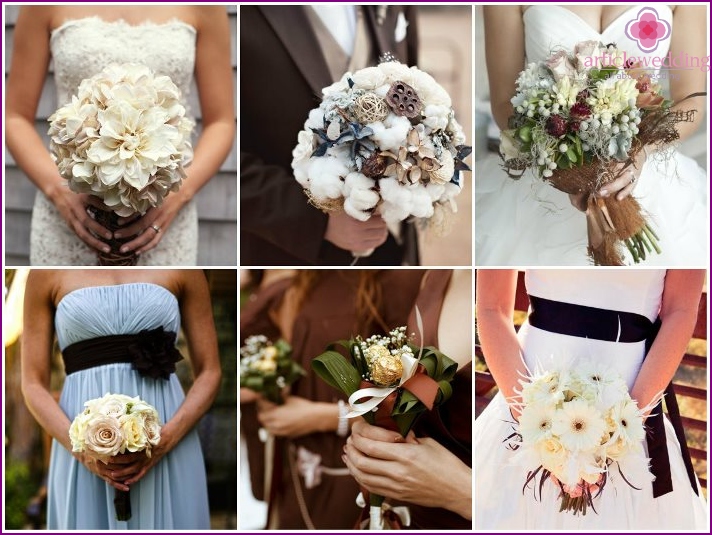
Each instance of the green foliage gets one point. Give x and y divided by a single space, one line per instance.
20 487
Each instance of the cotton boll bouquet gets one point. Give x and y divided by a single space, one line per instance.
125 139
384 141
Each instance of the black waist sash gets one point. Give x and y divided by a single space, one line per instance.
151 353
627 327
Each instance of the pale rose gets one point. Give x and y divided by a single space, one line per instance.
152 428
587 54
103 436
560 66
132 428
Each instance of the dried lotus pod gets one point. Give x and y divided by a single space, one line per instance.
370 108
374 166
403 100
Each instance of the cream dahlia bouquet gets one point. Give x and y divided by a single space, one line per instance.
115 424
578 429
384 140
124 138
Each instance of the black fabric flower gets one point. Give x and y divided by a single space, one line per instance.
154 354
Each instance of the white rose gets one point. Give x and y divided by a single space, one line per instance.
429 91
152 428
134 437
395 71
369 78
103 436
436 117
304 148
78 430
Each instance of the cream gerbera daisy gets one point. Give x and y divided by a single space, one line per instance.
579 426
627 422
535 423
543 390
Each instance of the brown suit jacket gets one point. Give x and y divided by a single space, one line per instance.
282 73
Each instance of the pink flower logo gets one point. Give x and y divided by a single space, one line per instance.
647 29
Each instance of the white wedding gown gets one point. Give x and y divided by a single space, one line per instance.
527 222
80 49
500 502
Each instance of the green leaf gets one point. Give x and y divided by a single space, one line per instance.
333 368
571 155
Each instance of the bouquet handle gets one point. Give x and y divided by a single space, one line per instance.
122 504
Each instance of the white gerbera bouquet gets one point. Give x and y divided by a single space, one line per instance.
115 424
574 428
124 138
383 141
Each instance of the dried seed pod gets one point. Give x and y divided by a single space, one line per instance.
374 166
403 100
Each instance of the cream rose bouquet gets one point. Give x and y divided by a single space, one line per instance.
112 425
384 140
579 429
124 138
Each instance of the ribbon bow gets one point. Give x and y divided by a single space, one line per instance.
310 468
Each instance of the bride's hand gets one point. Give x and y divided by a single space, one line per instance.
149 228
100 469
353 235
73 209
624 184
419 471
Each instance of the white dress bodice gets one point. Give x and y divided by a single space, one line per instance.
83 47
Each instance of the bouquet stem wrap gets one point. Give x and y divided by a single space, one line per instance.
114 257
122 504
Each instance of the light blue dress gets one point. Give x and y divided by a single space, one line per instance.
173 494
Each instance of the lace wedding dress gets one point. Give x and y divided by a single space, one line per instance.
527 222
501 501
173 494
81 48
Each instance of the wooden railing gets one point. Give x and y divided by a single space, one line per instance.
485 386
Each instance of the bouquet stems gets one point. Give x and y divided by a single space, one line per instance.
122 504
114 257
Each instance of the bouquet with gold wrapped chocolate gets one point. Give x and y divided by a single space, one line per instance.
268 368
390 382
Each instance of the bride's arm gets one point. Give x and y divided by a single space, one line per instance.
37 339
495 294
678 314
504 50
689 39
213 76
30 59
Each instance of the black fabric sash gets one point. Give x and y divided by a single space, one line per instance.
627 327
152 353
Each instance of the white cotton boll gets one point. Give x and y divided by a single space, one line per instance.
326 178
436 117
315 119
364 199
301 172
393 213
391 133
435 191
422 204
353 211
398 197
337 87
357 181
382 90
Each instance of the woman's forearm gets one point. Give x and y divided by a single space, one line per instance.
47 412
501 349
197 401
30 153
664 357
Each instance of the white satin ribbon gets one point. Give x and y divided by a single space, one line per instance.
376 513
310 468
